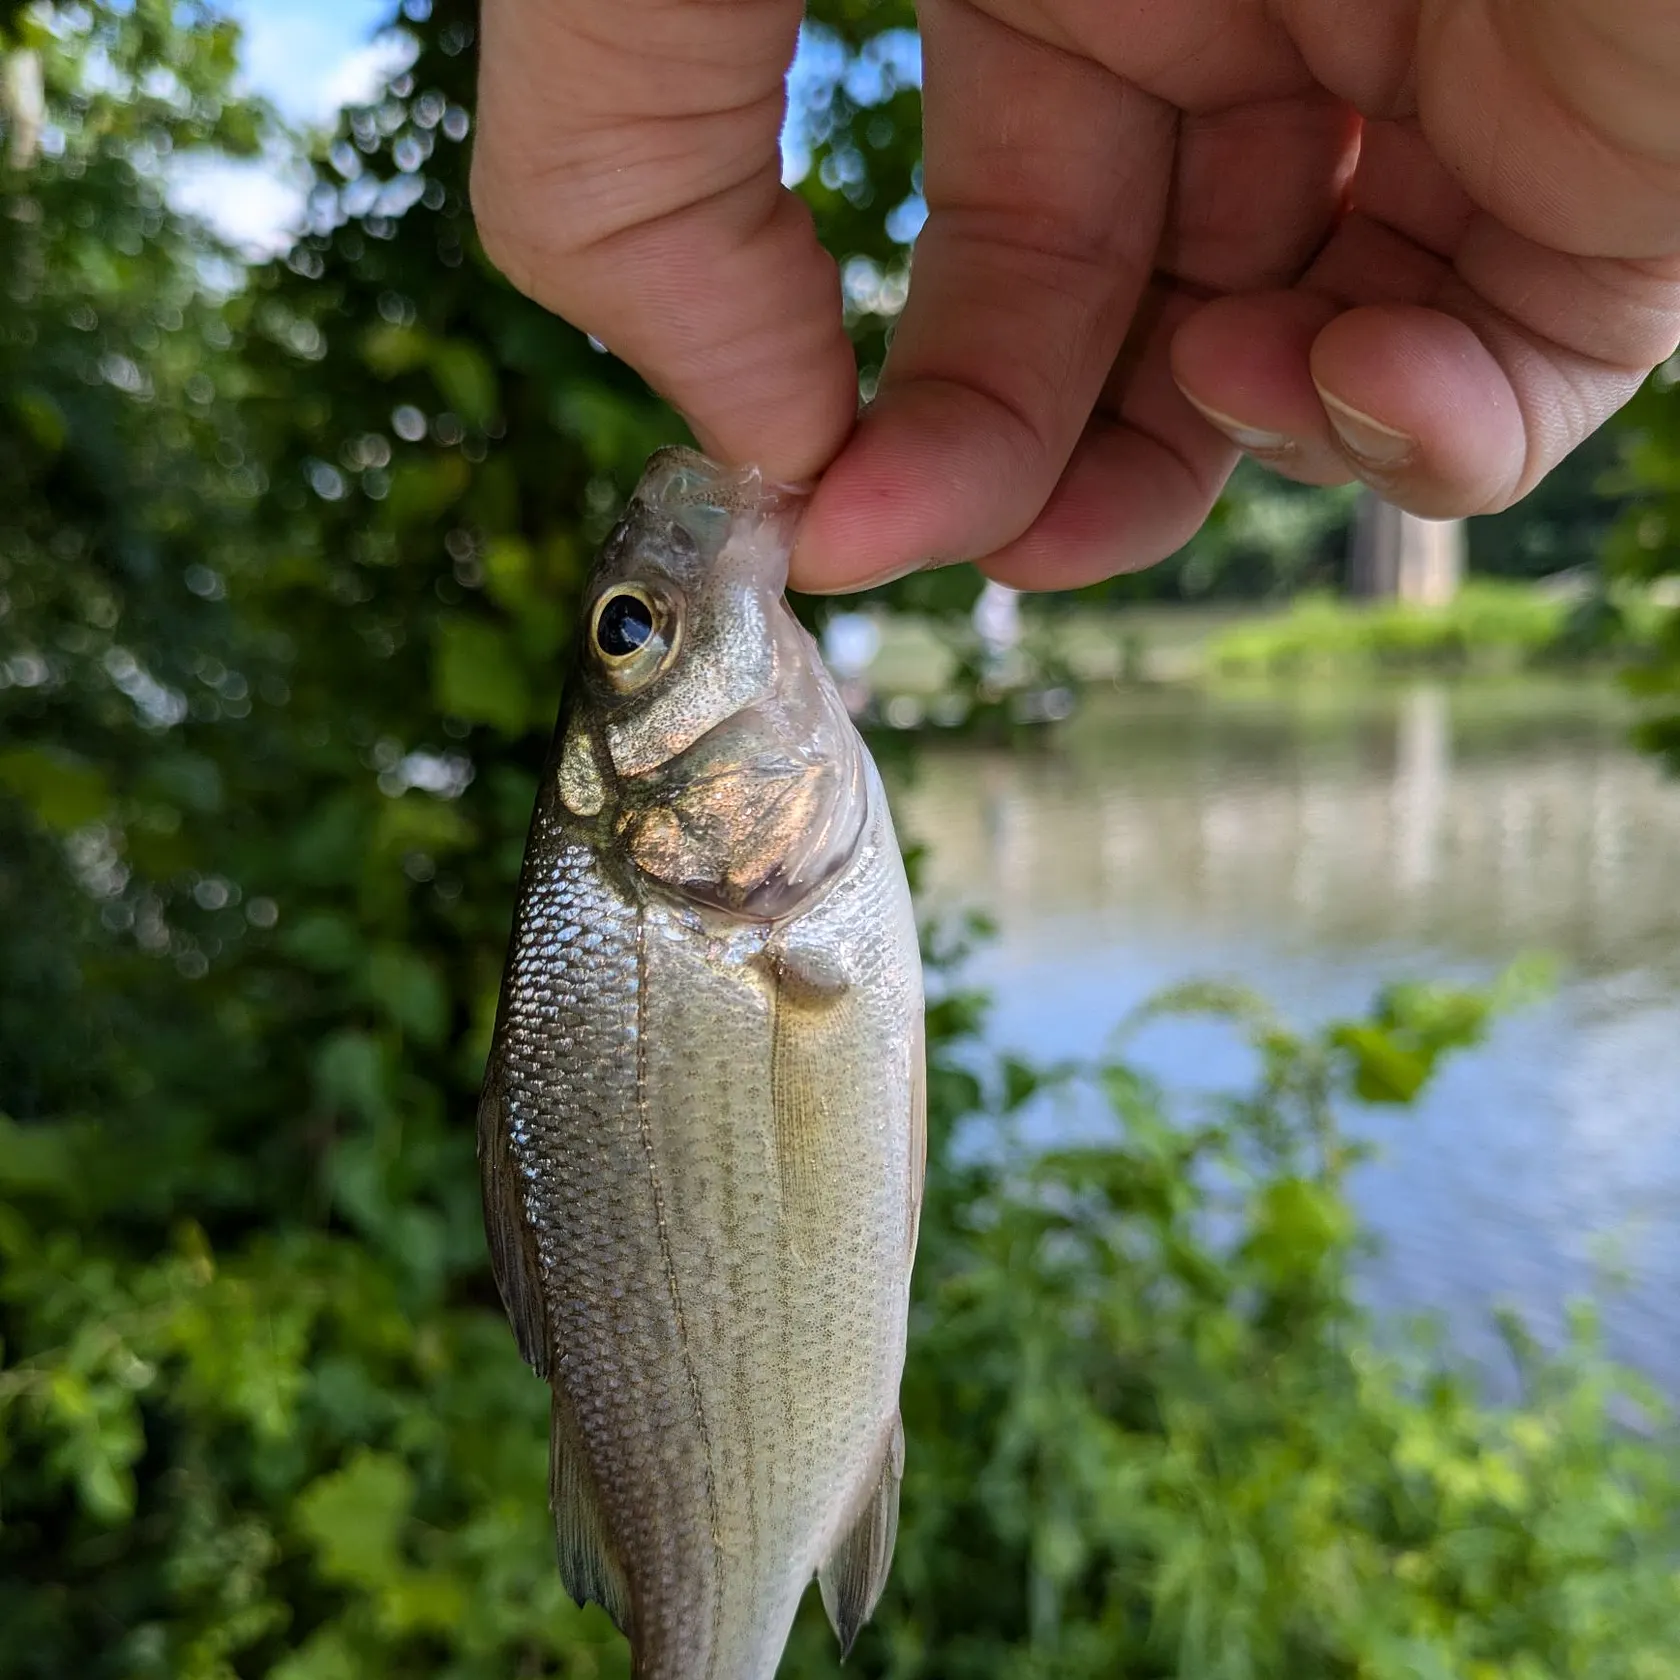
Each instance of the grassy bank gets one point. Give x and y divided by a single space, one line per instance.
1491 628
1488 627
1152 1432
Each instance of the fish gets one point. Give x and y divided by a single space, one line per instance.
702 1133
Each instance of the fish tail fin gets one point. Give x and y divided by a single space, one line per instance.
852 1578
588 1569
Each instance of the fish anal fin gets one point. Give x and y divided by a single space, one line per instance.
588 1569
852 1579
513 1258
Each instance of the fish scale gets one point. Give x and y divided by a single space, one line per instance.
703 1124
591 1202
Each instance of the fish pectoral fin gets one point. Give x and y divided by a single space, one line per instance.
513 1259
810 973
812 992
588 1569
852 1579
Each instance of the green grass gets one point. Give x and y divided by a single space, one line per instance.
1488 627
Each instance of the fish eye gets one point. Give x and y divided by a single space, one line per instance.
623 624
633 635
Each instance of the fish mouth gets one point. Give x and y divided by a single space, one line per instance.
678 478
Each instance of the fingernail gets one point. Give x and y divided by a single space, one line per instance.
893 573
1251 438
877 580
1368 441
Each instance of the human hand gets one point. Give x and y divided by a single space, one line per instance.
1431 244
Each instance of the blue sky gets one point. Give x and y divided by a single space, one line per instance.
309 55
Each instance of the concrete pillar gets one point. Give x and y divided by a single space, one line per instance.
1398 557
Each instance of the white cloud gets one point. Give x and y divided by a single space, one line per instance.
357 78
255 204
310 58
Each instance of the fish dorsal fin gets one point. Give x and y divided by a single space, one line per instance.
513 1258
852 1578
588 1569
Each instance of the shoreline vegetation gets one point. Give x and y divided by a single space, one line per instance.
1491 628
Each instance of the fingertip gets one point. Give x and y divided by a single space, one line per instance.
856 531
1405 398
772 382
1421 408
1243 363
1247 356
920 482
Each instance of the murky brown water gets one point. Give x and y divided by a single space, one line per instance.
1315 845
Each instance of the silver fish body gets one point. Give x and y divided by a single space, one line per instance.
702 1132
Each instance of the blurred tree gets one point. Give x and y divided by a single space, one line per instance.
1266 539
1563 522
1644 547
267 590
114 505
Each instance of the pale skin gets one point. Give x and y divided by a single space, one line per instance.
1428 244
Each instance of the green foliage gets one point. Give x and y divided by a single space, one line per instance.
1413 1024
1489 626
286 583
1267 538
1562 523
1644 549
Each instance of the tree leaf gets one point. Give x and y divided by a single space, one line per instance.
353 1519
64 792
476 675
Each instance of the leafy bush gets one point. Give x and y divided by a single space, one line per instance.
1153 1436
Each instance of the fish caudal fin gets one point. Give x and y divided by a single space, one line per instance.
853 1577
588 1569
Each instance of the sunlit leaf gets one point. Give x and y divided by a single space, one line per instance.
354 1518
477 675
465 378
62 791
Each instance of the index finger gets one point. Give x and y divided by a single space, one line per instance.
1046 181
627 175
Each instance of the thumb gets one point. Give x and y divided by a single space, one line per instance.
627 175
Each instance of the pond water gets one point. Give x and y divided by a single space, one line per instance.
1315 844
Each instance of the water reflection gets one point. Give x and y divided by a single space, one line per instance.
1413 818
1317 845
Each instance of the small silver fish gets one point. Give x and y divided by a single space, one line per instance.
703 1127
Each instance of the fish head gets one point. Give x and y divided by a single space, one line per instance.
706 731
